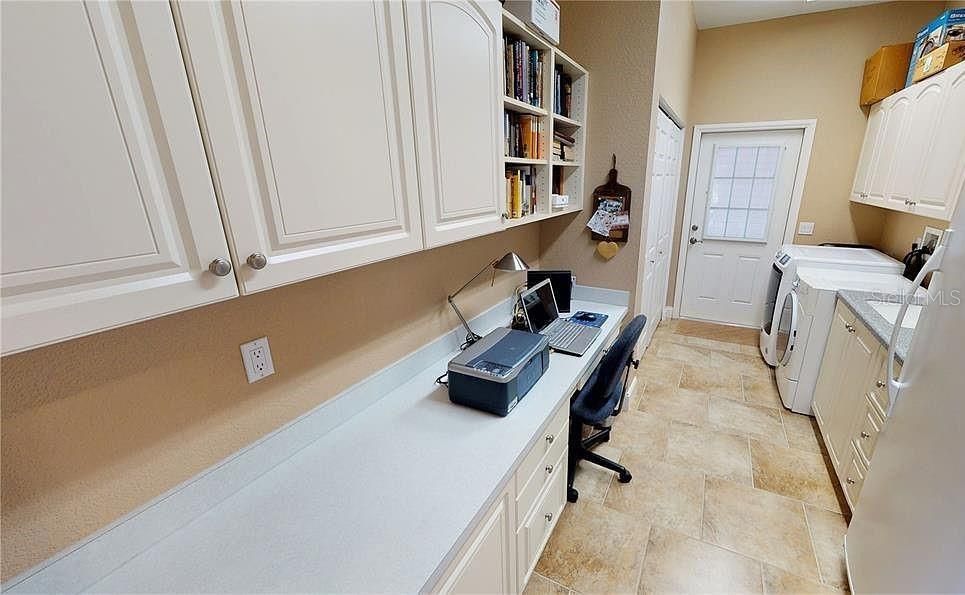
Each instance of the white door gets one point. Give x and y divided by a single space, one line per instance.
665 179
307 112
456 68
109 215
739 214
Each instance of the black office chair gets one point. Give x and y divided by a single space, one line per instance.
601 398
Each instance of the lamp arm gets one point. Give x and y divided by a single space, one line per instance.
474 277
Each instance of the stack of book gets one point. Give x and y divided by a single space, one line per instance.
562 92
522 136
564 148
524 71
520 191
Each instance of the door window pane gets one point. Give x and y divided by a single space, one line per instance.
741 192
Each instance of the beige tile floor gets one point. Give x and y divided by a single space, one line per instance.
730 492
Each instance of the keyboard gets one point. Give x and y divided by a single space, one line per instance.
562 333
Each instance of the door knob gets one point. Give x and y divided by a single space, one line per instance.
694 228
694 241
219 267
257 261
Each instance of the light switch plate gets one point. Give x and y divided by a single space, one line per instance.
805 228
257 358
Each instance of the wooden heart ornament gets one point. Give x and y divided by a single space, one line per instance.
607 249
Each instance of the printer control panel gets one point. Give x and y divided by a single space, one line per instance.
491 368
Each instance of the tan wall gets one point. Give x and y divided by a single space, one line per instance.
676 54
616 43
901 229
95 427
807 66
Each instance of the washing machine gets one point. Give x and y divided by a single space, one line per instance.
786 262
804 323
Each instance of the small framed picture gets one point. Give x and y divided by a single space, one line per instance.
930 239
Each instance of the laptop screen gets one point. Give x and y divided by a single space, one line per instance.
540 306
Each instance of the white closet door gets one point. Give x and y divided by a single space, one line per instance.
306 109
109 215
456 86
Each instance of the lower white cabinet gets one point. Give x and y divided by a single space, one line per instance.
307 115
486 564
913 156
851 398
506 545
108 212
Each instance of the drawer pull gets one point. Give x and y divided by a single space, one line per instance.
549 469
865 435
880 383
850 481
850 328
548 516
550 438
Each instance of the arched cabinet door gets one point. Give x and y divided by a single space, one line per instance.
454 49
109 215
306 109
942 179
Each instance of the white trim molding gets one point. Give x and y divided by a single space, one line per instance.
797 191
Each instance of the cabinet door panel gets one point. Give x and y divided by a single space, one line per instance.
455 67
896 119
832 371
485 566
109 215
915 142
943 171
861 361
869 150
307 110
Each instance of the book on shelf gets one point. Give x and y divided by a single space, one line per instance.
523 71
520 191
562 92
523 136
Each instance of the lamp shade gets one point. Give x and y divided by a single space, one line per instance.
511 262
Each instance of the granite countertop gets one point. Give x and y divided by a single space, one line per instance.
881 328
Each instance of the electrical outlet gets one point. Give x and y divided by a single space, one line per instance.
805 228
257 358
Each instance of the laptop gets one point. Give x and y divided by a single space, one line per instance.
542 317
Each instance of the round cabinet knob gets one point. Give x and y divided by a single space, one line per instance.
549 468
550 438
548 516
850 481
257 261
219 267
865 435
880 383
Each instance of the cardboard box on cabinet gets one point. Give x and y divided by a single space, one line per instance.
938 60
884 73
948 27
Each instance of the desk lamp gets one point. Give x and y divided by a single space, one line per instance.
510 262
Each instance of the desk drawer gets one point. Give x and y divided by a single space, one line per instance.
553 438
535 532
528 489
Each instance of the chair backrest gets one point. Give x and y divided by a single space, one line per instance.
603 391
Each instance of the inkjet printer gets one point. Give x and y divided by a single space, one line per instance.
496 372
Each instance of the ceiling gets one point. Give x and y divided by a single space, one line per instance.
718 13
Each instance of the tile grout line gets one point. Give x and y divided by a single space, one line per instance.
643 559
555 582
814 549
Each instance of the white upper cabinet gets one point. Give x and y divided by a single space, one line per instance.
108 211
869 151
913 157
942 179
455 65
306 110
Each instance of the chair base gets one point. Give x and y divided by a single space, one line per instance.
580 449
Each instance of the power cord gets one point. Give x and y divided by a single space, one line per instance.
440 380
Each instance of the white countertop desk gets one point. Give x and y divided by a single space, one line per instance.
380 502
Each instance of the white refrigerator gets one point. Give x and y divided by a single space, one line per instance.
907 534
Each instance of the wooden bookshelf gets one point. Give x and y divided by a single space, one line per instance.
569 172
